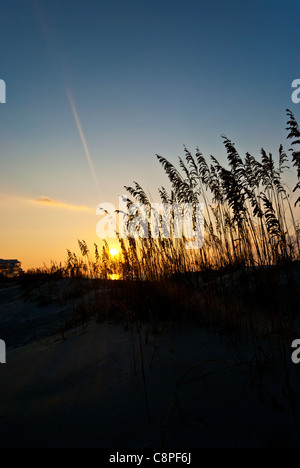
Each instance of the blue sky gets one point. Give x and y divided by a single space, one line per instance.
146 77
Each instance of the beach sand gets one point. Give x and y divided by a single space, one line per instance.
84 392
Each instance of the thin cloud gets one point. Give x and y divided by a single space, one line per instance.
6 198
55 203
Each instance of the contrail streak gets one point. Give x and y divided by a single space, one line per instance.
83 141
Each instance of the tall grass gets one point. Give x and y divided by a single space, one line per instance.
249 217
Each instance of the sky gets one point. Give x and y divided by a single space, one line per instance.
96 88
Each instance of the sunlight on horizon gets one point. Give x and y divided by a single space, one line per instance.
114 252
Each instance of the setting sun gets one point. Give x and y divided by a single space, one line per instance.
113 252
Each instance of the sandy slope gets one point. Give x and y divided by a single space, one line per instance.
23 321
83 392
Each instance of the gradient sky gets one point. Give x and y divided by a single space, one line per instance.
145 77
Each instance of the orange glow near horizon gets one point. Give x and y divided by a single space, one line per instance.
114 277
36 233
113 252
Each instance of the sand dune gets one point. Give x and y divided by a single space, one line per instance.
83 392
